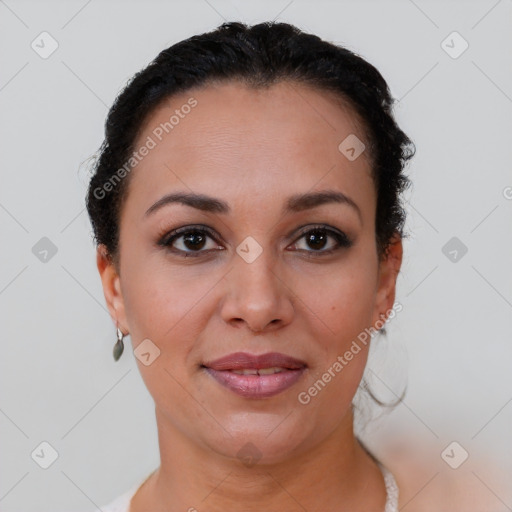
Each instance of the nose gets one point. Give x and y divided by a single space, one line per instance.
257 296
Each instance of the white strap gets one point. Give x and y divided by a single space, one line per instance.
391 490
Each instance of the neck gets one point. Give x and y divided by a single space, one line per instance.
335 475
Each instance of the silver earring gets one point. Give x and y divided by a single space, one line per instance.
119 346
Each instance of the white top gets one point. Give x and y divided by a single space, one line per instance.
122 503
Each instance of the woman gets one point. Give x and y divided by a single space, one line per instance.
247 209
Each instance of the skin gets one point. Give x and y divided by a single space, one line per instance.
252 149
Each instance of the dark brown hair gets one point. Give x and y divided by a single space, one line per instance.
258 56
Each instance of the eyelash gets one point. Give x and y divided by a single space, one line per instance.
341 238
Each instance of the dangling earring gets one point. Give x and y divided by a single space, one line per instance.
119 346
384 319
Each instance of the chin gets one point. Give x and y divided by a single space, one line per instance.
264 442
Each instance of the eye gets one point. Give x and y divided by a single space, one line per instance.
193 241
190 240
317 239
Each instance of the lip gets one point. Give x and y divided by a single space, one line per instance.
244 361
256 386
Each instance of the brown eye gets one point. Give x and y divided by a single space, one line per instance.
317 240
194 240
190 240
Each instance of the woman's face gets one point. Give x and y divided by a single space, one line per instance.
259 279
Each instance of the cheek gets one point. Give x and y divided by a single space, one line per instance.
161 298
341 298
343 304
166 302
168 307
171 307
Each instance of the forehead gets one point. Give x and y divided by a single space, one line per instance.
228 138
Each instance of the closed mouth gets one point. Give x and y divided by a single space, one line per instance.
256 376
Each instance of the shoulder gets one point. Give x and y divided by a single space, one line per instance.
122 502
427 483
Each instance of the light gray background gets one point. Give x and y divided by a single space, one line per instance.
452 341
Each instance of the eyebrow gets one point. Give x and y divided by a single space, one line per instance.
296 203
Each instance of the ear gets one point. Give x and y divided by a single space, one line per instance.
110 281
389 267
